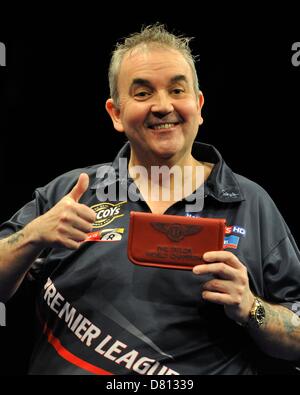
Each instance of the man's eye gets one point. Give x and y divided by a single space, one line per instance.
177 91
142 94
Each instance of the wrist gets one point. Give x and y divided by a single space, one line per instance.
256 316
33 235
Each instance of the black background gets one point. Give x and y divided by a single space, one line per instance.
54 87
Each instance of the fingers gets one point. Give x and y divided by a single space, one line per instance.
219 269
217 285
219 298
80 187
222 256
70 237
73 234
82 225
71 244
74 226
77 215
86 213
224 292
230 285
224 261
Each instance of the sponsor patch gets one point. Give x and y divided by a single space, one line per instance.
115 234
107 213
235 229
231 241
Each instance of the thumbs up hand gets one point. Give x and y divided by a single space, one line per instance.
67 223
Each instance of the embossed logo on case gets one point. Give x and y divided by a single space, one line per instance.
176 232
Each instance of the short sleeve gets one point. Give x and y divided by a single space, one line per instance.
26 214
20 219
282 273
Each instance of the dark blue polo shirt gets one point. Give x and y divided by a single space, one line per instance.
101 314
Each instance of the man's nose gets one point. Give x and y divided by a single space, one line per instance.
162 104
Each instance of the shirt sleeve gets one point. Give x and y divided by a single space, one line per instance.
44 198
22 217
282 274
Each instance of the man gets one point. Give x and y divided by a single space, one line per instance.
101 314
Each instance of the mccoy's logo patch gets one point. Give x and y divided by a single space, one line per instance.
106 213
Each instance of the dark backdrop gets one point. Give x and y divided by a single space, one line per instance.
54 88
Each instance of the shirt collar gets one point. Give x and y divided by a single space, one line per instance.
222 184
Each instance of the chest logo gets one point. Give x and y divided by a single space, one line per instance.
106 235
107 213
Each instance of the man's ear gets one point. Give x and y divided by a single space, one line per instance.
200 105
114 113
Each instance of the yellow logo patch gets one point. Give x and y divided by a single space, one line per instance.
106 213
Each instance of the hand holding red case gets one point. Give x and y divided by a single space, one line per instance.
171 241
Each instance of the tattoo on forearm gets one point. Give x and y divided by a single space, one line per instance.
287 321
281 318
15 238
273 317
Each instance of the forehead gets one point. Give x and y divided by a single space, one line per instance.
153 63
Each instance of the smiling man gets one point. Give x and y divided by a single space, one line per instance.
103 315
158 105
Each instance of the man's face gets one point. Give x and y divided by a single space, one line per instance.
159 109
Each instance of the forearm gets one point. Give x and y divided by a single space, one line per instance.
17 253
279 335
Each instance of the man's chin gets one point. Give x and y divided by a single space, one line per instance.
165 155
165 151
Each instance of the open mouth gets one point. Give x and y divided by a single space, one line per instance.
162 126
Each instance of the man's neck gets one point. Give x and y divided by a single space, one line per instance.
164 183
148 163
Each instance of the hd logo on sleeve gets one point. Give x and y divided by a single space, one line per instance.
235 229
106 213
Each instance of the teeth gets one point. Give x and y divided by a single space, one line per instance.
163 126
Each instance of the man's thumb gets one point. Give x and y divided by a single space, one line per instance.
80 187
